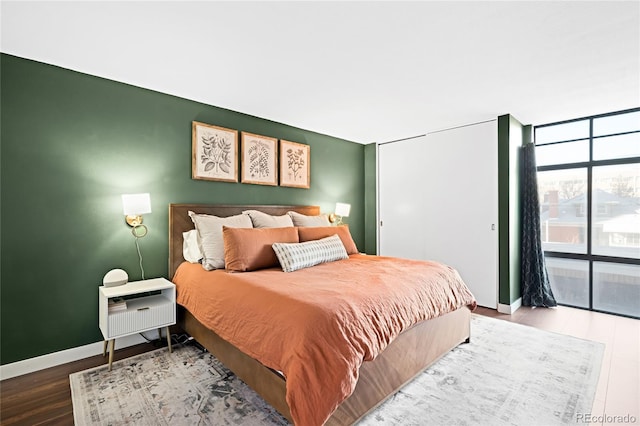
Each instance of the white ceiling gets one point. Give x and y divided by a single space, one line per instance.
362 71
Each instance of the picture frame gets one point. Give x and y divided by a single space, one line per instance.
259 159
295 164
214 153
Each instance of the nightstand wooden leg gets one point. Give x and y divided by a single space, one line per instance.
168 339
104 348
111 346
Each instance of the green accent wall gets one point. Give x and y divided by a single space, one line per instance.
510 138
370 198
71 144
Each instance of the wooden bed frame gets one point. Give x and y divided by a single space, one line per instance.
407 356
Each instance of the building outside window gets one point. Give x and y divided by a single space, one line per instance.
589 188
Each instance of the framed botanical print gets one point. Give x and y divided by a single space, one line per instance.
259 159
214 152
295 164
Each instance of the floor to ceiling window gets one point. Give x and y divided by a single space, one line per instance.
589 187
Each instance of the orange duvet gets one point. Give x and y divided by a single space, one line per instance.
317 325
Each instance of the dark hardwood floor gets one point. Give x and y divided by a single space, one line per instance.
44 397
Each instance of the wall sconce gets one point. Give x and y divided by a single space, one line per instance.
342 210
134 206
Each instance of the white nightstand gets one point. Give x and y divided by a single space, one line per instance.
146 312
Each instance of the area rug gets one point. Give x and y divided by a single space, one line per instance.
508 375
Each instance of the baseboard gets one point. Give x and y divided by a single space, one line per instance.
30 365
509 309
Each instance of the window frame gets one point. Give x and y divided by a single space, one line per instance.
590 165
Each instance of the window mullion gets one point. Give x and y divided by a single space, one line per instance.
590 212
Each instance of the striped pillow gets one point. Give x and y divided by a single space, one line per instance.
294 256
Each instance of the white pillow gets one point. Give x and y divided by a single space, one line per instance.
210 235
304 220
264 220
294 256
191 247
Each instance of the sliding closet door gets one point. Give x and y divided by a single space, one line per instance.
438 199
400 179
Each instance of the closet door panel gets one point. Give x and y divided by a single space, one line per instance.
400 179
449 212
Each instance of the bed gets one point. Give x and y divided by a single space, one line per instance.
407 354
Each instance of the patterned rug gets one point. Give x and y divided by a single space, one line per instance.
508 375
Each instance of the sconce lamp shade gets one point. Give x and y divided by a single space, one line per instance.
343 209
136 204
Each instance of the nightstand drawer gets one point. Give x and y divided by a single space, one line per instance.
142 314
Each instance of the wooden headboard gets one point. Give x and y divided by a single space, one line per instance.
179 222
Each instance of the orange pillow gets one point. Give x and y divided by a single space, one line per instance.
310 233
248 249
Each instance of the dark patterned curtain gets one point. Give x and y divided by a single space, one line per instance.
536 290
